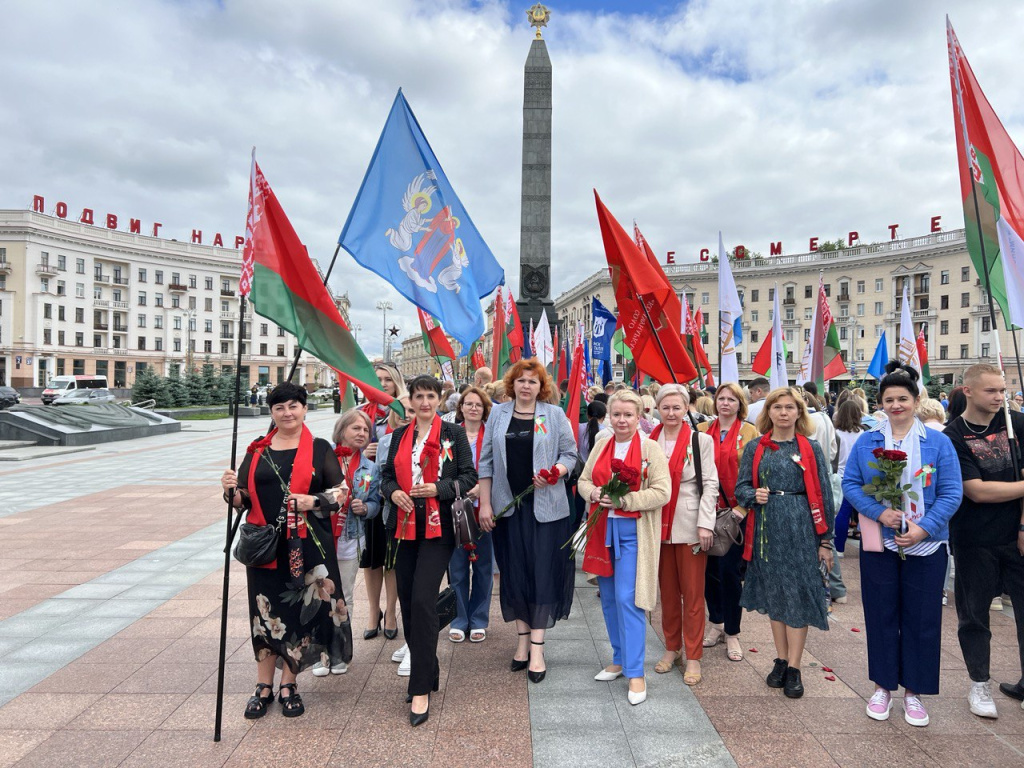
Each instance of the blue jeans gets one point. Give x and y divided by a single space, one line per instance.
473 602
626 624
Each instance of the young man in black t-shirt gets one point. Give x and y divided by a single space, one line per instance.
987 532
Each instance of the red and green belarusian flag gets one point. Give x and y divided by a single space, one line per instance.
922 353
822 359
434 339
285 287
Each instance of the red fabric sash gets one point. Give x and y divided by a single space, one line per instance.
302 476
811 483
727 458
595 556
354 458
676 464
430 457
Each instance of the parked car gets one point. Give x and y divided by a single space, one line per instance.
61 385
85 397
324 393
8 396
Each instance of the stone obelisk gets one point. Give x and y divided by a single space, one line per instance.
535 227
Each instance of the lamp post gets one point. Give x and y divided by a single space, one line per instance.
384 306
190 316
355 332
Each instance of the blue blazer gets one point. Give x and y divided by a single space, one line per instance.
941 498
371 497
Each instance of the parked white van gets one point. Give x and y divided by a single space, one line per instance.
60 385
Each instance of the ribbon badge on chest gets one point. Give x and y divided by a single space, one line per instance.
924 474
539 425
446 454
364 482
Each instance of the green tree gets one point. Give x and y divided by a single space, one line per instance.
177 392
148 386
198 394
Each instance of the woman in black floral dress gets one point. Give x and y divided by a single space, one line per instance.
297 613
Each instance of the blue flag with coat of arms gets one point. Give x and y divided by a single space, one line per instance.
408 225
602 330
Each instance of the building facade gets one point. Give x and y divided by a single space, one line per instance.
864 284
415 361
82 299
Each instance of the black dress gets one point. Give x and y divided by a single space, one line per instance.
537 575
309 624
375 545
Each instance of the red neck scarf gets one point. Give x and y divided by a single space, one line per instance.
595 555
430 459
676 463
727 458
302 476
349 461
811 483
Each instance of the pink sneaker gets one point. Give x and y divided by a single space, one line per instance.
914 712
880 704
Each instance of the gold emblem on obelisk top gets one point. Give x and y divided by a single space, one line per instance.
539 17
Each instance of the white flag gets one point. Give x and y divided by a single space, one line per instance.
1011 248
730 317
544 350
908 339
779 376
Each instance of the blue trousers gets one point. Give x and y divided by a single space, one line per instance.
903 618
473 600
626 624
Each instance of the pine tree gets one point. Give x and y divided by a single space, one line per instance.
177 392
197 392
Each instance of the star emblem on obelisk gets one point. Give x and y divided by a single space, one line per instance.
539 16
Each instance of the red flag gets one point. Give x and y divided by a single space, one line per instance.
576 382
642 294
514 329
557 367
477 359
248 252
497 333
922 353
435 341
762 362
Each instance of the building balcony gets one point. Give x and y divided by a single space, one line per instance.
46 269
845 297
120 281
177 287
120 329
100 327
101 278
121 305
226 292
5 267
228 315
118 351
789 302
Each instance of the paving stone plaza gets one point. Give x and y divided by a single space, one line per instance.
109 622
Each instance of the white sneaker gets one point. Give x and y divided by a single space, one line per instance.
319 670
398 655
405 668
980 699
997 604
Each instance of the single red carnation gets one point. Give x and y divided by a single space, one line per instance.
258 444
343 452
767 442
429 454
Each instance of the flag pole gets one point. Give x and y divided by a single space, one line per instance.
233 521
654 333
327 276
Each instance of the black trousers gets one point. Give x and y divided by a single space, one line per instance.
983 573
420 565
723 585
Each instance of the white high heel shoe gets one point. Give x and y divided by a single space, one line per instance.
638 697
604 676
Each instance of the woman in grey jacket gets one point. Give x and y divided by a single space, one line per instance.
529 443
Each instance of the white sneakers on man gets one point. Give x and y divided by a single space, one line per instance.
980 699
319 670
405 668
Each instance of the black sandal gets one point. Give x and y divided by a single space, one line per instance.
256 707
536 677
517 665
291 706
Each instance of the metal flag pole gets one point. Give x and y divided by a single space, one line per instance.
233 521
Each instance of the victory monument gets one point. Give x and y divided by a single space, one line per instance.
535 226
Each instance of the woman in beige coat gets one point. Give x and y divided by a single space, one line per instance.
687 525
622 548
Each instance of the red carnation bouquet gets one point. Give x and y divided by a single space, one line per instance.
887 487
625 479
549 476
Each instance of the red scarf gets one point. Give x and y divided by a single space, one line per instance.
727 459
811 483
595 556
302 476
430 457
479 447
354 459
676 463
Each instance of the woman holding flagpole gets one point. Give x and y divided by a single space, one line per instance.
426 458
527 451
784 482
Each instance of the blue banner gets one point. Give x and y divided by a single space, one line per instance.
602 330
880 359
408 225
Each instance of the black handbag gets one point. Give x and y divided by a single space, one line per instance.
467 531
446 608
257 544
727 528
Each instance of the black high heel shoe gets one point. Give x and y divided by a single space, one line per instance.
391 634
419 719
536 677
369 634
517 665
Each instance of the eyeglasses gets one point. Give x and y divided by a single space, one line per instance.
472 405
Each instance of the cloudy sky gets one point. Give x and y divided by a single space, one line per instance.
767 119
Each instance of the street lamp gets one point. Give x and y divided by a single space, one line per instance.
385 307
190 316
355 332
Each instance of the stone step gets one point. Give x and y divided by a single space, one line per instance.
8 444
32 451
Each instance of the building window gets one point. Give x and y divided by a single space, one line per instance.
97 341
78 367
789 314
44 284
943 352
97 293
808 291
965 274
79 290
191 281
280 331
878 331
80 266
984 350
191 302
142 275
177 345
224 307
807 334
177 323
158 322
61 288
79 315
47 337
208 305
943 327
828 289
158 344
207 346
280 350
860 286
142 321
60 338
843 333
208 326
965 299
263 349
209 283
175 278
963 351
705 298
943 302
754 336
879 284
755 294
142 298
985 325
860 310
771 294
158 298
263 329
808 313
47 311
944 277
116 294
224 348
175 302
80 340
965 325
60 312
158 277
142 343
754 315
879 308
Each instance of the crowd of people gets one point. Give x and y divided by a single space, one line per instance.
710 502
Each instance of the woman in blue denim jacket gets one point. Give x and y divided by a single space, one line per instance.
901 585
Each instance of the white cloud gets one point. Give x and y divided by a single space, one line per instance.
769 120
